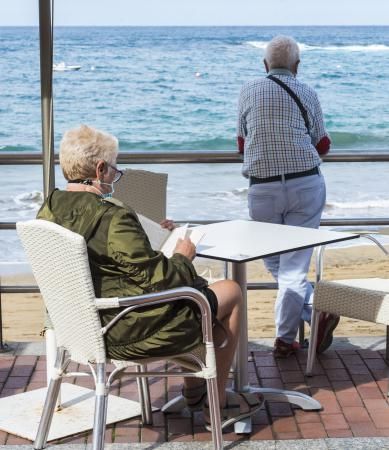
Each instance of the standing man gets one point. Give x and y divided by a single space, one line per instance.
281 133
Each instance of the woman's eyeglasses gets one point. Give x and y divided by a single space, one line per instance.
118 173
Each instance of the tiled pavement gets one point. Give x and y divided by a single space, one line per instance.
349 381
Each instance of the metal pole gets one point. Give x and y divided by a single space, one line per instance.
46 70
1 323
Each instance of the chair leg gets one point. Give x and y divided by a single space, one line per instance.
387 353
387 344
301 333
313 342
214 412
50 403
144 397
226 270
101 400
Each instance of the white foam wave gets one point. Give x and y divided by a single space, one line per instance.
29 200
367 204
354 48
237 193
330 48
257 44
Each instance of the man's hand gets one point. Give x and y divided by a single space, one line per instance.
323 146
240 144
169 224
186 248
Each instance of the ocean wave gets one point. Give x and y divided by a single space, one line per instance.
17 148
221 144
29 200
344 139
340 139
234 194
363 205
329 48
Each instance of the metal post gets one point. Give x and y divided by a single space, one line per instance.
241 373
1 323
46 70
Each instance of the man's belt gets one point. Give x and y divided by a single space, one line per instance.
287 176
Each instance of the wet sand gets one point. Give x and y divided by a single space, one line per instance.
23 314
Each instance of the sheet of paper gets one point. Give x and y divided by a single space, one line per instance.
181 232
170 243
195 235
165 240
156 234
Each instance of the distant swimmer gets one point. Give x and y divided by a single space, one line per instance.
198 74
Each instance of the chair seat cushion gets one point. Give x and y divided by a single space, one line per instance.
352 298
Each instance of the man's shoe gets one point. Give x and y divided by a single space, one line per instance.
283 350
327 324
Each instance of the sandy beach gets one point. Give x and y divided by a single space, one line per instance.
23 314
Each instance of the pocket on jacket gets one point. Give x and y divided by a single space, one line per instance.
261 206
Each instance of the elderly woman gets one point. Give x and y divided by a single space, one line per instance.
123 263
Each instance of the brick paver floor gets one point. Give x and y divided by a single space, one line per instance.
350 384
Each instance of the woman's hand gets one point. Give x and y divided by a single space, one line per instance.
186 248
169 224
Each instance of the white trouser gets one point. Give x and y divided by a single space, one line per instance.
299 202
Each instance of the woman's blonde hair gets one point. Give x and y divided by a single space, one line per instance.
80 150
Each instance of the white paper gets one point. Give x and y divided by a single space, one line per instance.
195 235
156 234
170 244
165 240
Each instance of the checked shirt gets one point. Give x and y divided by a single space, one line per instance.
276 140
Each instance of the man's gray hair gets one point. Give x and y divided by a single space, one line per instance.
282 52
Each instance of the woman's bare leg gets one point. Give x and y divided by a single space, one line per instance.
229 298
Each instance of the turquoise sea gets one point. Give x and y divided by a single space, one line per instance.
176 89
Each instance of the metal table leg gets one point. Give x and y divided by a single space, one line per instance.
306 402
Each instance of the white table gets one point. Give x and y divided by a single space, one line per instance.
241 241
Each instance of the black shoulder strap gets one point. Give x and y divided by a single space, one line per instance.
295 98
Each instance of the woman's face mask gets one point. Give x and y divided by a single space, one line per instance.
116 177
107 194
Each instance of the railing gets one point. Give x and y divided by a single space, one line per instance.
205 157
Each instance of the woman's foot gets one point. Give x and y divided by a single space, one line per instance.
239 406
195 396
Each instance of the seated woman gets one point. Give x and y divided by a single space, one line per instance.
123 263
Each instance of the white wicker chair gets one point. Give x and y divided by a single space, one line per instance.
362 299
60 265
144 192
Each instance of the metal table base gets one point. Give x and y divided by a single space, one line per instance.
307 403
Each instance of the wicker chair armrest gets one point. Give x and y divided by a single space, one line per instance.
107 303
362 233
157 298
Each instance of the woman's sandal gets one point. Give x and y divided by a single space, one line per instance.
195 397
232 412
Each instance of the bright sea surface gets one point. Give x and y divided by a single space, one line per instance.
176 89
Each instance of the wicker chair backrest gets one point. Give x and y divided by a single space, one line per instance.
59 262
144 192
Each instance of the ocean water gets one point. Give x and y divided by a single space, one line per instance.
176 89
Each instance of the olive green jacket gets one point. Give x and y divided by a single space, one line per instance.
122 264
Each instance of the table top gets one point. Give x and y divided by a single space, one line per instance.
247 240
